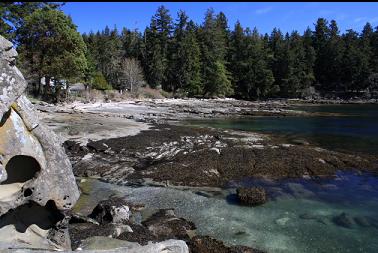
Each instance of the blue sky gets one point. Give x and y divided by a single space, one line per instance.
264 15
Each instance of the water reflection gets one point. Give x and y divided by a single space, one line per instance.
356 129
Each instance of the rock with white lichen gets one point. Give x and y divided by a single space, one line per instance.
36 179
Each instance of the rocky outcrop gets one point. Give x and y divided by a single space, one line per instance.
206 244
35 173
114 210
252 196
120 223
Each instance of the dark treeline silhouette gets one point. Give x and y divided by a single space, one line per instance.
210 59
205 60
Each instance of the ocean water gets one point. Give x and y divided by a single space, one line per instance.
336 214
352 128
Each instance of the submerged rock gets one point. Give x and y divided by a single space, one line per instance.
33 165
252 196
362 221
164 225
344 220
206 244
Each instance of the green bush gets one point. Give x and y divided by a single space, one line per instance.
100 83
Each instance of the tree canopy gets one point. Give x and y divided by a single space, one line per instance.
207 59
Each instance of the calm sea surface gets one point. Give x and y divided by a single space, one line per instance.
338 214
355 129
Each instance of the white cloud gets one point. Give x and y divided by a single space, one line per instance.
263 10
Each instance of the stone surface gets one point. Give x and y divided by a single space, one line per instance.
113 210
252 196
12 82
35 173
206 244
169 246
165 225
34 238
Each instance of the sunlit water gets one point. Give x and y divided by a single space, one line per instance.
302 215
337 214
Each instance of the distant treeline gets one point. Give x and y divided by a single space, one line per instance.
210 59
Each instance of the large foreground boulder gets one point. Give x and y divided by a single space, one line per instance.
35 173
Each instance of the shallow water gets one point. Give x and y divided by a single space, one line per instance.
355 128
336 214
302 216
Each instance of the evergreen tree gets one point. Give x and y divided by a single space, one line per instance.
237 60
153 60
260 78
320 40
157 38
249 64
310 56
184 62
13 14
52 48
280 61
333 58
367 44
213 51
355 64
99 82
131 43
299 76
211 60
374 58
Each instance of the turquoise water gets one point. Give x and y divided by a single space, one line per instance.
338 214
355 128
302 216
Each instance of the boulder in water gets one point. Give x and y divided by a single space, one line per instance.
344 220
252 196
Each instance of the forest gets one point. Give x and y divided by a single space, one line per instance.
177 55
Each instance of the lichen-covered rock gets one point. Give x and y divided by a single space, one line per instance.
34 168
12 82
113 210
251 196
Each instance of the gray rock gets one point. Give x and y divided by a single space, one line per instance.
113 210
109 245
33 165
12 82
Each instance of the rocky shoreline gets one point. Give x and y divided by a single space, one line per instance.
156 149
172 155
124 222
